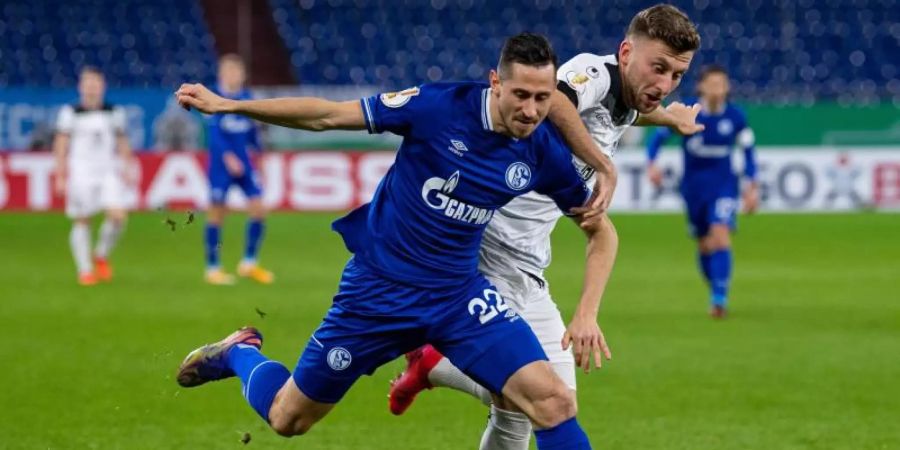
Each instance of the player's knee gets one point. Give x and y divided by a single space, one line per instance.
256 209
118 218
290 426
556 407
720 239
215 214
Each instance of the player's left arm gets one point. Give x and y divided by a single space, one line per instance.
565 116
307 113
123 146
583 332
750 196
677 116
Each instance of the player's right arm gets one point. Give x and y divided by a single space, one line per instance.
61 141
653 146
581 82
566 118
308 113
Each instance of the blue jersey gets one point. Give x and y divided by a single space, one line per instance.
230 132
425 222
708 169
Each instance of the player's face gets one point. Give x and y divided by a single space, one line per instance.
714 88
231 75
651 71
523 97
91 87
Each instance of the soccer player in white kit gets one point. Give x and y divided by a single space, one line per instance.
92 155
609 94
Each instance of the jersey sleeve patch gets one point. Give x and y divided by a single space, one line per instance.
398 99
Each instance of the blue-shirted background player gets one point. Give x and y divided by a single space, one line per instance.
468 148
231 138
709 185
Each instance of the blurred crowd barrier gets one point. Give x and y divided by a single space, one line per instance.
157 123
791 179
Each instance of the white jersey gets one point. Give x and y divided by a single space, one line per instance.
92 145
518 237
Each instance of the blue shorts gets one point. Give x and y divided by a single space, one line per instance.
702 214
219 182
374 320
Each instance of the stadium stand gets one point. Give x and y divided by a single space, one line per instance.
801 51
136 43
786 51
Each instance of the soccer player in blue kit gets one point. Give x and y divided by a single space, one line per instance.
231 137
468 149
709 185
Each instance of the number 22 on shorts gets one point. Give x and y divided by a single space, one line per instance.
483 307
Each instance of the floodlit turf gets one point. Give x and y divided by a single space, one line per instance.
809 359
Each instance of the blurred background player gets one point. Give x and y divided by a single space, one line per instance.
709 185
89 136
230 138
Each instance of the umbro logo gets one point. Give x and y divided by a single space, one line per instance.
457 147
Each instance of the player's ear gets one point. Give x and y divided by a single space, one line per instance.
625 49
494 78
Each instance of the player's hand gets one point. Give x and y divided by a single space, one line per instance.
604 188
685 118
199 97
131 172
233 164
655 175
59 183
750 199
588 340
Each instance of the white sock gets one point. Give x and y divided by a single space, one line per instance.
109 235
80 241
506 430
445 374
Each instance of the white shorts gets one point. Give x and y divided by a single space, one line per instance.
87 196
530 297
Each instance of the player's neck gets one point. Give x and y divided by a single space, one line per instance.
497 125
713 108
229 90
91 104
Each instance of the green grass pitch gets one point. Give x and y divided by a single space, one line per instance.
809 359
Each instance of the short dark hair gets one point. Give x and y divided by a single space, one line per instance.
668 24
710 70
89 69
231 58
529 49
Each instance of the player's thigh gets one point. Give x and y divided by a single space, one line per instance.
355 338
482 336
698 218
542 314
724 211
83 198
218 188
723 219
249 184
113 196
